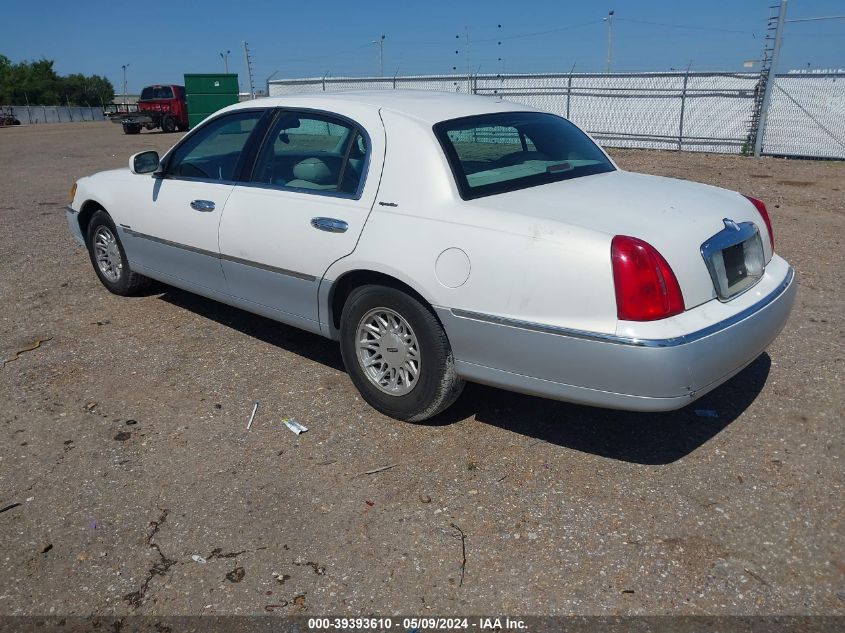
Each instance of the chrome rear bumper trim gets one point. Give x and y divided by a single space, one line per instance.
627 340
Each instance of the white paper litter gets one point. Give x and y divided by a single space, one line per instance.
295 426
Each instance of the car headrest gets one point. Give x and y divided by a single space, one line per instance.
313 170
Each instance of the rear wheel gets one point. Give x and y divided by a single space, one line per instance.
168 124
109 258
131 128
397 354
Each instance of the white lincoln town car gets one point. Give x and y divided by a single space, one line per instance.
442 238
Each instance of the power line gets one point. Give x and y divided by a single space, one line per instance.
538 33
686 26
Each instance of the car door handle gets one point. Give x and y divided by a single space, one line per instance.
329 224
202 205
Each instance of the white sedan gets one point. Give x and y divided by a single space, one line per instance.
442 238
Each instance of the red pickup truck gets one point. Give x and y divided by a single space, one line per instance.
159 107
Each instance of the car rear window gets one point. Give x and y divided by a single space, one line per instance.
156 92
495 153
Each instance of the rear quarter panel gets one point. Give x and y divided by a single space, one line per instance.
533 269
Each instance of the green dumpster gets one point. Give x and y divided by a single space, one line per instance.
207 93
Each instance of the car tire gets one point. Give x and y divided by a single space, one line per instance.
131 128
168 125
109 258
409 336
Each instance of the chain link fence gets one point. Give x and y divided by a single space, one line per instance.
689 111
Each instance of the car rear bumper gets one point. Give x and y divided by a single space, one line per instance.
73 225
622 372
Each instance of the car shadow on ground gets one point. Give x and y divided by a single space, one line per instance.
299 342
641 438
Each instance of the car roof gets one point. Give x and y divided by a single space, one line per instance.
429 106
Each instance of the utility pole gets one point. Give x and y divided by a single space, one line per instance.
380 43
469 76
769 80
248 64
125 66
225 57
609 20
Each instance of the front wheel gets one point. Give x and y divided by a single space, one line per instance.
397 354
131 128
109 258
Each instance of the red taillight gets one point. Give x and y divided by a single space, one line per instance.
646 288
761 209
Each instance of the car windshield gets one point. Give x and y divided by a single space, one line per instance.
494 153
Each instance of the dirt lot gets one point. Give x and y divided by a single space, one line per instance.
124 444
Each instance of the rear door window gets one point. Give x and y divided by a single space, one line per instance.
314 153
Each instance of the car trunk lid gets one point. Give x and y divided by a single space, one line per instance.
675 216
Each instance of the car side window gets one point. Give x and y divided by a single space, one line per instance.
212 152
313 152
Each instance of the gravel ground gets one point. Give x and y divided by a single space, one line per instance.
124 446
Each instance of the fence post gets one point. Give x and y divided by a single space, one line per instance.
683 107
569 88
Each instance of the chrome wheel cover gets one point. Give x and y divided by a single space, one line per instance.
107 253
388 351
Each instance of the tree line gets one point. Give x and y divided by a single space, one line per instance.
37 83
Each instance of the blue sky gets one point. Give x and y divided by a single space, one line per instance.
305 39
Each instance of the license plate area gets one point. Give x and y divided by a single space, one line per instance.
734 258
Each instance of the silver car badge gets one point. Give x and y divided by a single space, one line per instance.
730 224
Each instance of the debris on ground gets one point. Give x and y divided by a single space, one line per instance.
198 559
9 507
32 346
252 415
370 503
706 413
463 538
122 436
131 422
425 498
378 470
236 575
272 607
295 426
46 548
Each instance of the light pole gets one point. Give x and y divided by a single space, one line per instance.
125 66
609 20
225 58
380 43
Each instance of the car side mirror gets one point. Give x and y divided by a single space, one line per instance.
144 162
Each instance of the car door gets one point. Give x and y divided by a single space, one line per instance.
312 187
173 234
